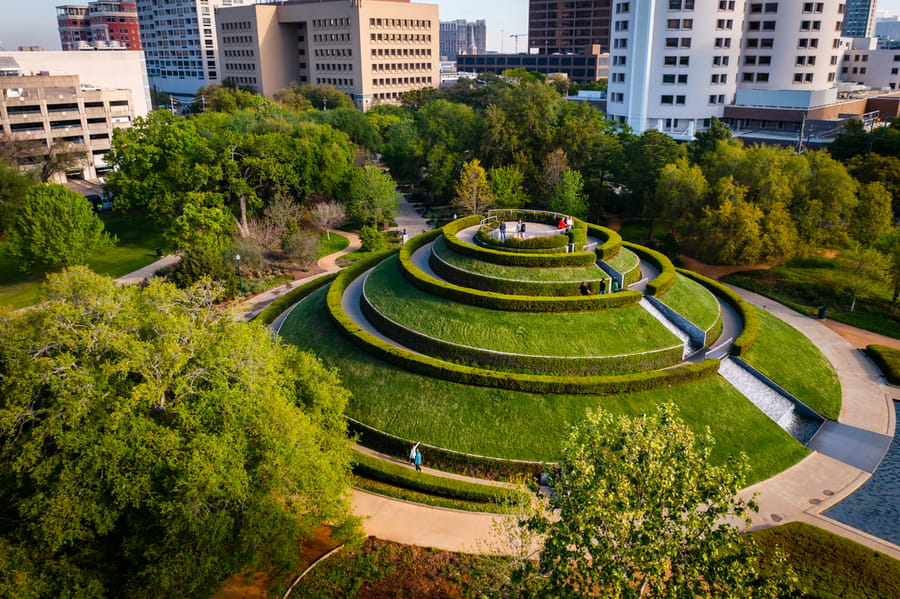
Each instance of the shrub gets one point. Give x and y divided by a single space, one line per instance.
609 248
273 310
748 336
888 360
666 277
556 243
371 239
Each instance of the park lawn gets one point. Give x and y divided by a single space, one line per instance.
692 301
791 360
806 283
330 243
601 333
520 425
625 261
138 239
517 273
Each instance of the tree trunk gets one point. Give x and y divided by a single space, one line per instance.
243 229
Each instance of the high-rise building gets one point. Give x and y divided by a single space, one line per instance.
105 25
179 39
859 18
372 50
569 26
463 37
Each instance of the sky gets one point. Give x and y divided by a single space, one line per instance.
33 22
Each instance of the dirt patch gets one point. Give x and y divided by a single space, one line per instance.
717 271
860 338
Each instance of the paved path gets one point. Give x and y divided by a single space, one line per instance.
148 271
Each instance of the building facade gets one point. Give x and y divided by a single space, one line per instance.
76 99
569 26
859 18
373 51
100 25
463 37
179 39
588 65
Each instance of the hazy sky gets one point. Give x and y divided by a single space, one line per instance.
33 22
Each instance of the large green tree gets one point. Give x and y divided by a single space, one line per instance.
373 196
55 227
13 186
568 197
150 445
643 512
473 194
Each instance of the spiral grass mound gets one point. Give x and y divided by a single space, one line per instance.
488 354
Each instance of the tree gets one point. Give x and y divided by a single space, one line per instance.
328 215
681 191
13 187
552 169
473 194
568 197
292 99
645 158
643 512
706 141
151 445
373 195
731 231
55 227
862 270
506 184
873 216
325 97
870 168
889 246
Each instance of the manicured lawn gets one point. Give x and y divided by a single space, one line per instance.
517 273
790 359
624 261
693 301
807 283
331 245
138 240
522 425
602 333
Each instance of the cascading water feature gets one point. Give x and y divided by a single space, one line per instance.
783 410
646 305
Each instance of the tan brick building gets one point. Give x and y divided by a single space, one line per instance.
372 50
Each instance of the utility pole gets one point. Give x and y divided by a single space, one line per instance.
517 36
501 42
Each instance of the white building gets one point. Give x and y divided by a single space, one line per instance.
179 40
866 64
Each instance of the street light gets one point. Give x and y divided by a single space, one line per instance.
237 258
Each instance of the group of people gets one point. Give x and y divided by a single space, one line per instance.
415 457
520 229
565 224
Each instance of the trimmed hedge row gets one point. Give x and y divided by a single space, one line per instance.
540 245
441 486
461 354
530 383
506 258
748 336
666 277
715 331
470 280
609 248
887 359
444 459
501 301
274 310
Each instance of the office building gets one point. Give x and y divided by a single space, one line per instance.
373 50
859 18
587 65
179 39
569 26
101 25
463 37
73 98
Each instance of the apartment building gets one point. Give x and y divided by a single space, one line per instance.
568 26
101 25
462 37
859 18
73 98
179 39
373 50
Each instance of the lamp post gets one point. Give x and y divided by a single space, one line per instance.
237 258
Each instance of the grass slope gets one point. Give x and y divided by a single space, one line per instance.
521 425
624 261
791 360
329 243
602 333
517 273
693 301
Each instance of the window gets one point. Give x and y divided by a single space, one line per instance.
679 99
749 59
798 77
685 42
723 42
667 100
670 61
682 79
618 77
894 71
808 77
671 42
623 25
668 79
618 61
771 7
684 61
623 7
766 42
720 61
748 76
753 43
762 77
833 60
724 24
768 25
830 76
620 42
754 26
726 4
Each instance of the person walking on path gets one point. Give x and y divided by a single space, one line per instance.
502 230
412 453
418 459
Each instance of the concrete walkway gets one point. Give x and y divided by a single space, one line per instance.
148 271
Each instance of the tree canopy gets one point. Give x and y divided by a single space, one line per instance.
150 445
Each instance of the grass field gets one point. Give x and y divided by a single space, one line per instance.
138 239
790 359
520 425
807 283
517 273
602 333
693 301
624 261
330 243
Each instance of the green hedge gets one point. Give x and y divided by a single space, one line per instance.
551 244
531 383
501 301
460 354
666 277
509 258
270 313
888 360
578 234
748 336
445 459
609 248
406 477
